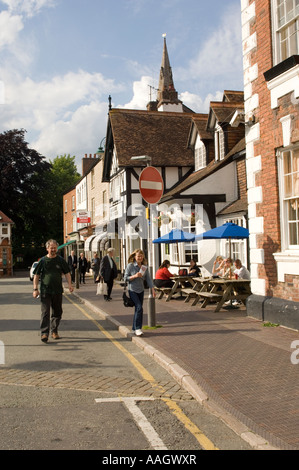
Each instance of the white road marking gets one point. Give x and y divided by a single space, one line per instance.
141 421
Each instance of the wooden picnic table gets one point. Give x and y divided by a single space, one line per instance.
179 284
224 290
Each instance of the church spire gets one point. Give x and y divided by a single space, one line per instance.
167 95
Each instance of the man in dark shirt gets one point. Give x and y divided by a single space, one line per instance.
50 269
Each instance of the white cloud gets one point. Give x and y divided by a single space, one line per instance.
78 135
220 57
28 8
141 94
62 115
10 26
198 104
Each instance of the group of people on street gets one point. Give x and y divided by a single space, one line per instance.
47 281
83 266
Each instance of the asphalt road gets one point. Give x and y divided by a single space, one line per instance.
92 389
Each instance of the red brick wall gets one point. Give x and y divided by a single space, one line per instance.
270 140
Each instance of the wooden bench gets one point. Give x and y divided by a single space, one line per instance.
162 290
209 297
191 294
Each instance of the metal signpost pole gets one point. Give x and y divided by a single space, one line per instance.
151 298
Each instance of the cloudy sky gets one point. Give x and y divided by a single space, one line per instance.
61 59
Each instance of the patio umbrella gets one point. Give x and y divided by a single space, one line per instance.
176 236
228 231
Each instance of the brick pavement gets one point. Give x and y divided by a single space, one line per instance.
235 365
119 386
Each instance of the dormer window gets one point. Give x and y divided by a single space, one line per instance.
200 156
219 143
4 229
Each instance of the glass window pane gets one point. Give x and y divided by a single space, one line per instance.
295 184
280 14
289 9
293 233
287 164
295 160
288 186
292 209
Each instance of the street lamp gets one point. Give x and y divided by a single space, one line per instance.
151 298
143 158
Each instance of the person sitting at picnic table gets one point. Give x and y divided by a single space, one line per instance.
163 275
193 270
241 272
218 266
227 269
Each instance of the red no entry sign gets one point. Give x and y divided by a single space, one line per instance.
151 185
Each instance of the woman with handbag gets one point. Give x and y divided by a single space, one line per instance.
135 275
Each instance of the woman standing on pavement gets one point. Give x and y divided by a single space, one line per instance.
136 273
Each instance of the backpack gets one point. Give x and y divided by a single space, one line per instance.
183 272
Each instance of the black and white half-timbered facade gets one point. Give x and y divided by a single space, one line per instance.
162 136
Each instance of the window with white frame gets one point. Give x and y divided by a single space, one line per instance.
238 246
200 157
289 197
4 229
285 21
219 143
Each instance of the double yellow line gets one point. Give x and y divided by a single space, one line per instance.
204 442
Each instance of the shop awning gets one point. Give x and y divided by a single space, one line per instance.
87 243
95 241
66 244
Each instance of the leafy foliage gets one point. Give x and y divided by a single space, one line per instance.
31 193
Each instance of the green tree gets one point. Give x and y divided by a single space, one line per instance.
31 194
23 180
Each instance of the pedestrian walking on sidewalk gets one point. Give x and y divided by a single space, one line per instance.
135 274
49 271
108 271
82 267
72 262
95 266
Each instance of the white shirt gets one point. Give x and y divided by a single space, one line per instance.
243 273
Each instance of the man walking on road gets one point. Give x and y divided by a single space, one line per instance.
50 269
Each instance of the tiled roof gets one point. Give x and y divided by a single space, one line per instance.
200 122
5 219
224 111
161 135
233 96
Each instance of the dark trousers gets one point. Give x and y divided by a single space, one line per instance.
50 322
138 314
82 275
109 286
73 274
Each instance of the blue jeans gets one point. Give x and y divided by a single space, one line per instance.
138 314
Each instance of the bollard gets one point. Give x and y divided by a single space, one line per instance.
77 278
151 310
